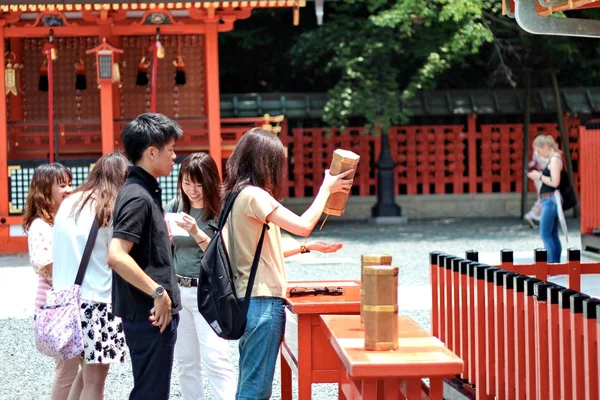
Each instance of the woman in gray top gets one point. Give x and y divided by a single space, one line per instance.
199 196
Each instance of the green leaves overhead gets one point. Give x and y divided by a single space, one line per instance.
386 51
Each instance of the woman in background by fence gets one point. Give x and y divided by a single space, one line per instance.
50 185
546 147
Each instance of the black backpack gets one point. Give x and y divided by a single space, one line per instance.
569 199
218 301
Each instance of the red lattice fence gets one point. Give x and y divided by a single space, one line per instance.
437 159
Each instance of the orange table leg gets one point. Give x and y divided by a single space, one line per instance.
509 336
519 303
578 380
390 389
499 338
369 389
480 324
286 379
410 388
530 364
436 388
490 311
553 342
541 340
564 328
462 323
590 349
304 357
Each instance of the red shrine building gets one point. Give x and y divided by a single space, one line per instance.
76 72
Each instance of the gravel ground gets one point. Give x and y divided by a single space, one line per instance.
26 374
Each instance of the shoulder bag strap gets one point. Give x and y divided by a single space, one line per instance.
254 268
87 253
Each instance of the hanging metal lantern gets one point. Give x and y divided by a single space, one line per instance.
11 74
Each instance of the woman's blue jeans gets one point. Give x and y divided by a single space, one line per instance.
549 229
259 348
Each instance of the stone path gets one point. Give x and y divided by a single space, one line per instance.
26 374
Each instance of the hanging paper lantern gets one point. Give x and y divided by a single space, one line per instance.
180 78
142 74
80 81
43 83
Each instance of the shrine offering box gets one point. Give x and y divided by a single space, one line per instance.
380 307
366 260
343 160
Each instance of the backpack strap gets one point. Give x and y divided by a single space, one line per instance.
254 268
227 206
87 252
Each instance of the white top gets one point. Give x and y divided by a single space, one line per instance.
70 237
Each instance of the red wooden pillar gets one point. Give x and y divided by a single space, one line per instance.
509 336
463 347
490 312
481 367
530 360
4 227
554 342
590 349
566 360
499 338
433 257
107 117
542 376
472 143
578 379
213 102
519 303
473 256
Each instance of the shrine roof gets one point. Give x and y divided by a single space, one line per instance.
75 5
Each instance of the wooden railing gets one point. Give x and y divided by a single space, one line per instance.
437 159
589 198
518 335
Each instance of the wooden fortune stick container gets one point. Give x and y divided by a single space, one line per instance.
368 260
343 160
380 307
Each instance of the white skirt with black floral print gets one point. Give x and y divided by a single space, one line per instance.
103 336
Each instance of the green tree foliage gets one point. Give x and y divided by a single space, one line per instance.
386 51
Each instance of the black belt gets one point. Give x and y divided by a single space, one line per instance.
187 282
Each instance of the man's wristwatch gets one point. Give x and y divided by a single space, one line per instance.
158 292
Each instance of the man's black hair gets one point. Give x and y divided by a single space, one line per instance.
147 130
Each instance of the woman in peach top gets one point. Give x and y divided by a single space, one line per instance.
50 185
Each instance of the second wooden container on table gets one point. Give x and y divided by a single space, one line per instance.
380 307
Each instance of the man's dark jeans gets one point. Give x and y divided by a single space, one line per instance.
151 358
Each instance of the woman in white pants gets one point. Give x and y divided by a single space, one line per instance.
199 196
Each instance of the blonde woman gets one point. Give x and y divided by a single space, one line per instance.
551 201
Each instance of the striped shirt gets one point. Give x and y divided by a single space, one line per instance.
39 241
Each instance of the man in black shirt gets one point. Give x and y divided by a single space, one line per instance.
145 292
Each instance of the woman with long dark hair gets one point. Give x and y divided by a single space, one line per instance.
104 340
49 186
198 199
550 197
256 170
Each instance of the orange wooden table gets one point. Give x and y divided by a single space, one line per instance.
305 349
385 374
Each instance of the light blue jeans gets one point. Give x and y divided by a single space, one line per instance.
549 229
259 348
